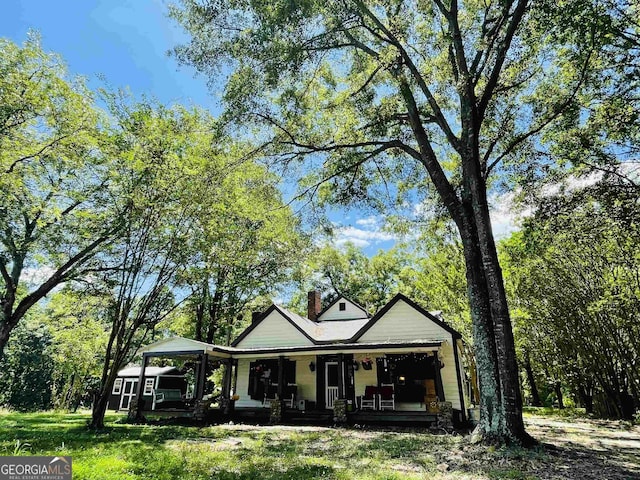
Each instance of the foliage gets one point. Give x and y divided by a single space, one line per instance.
246 239
55 184
143 267
574 271
336 271
78 326
385 98
26 369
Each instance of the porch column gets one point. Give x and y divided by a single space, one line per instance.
235 375
226 382
341 386
139 400
280 377
202 376
439 389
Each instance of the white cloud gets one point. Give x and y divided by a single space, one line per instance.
371 221
363 237
36 276
505 215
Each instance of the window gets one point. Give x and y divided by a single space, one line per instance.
263 375
117 386
342 306
148 386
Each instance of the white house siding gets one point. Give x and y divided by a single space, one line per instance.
274 331
365 377
465 398
403 322
305 378
350 312
448 374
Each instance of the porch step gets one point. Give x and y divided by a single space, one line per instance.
308 416
392 417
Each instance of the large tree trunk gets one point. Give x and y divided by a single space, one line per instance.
491 411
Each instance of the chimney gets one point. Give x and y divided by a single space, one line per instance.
255 316
313 305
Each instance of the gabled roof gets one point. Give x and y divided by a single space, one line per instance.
342 297
412 304
300 323
339 331
316 332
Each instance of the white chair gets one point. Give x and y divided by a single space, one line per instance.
368 400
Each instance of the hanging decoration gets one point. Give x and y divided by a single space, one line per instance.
312 366
367 364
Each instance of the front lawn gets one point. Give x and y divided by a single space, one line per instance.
159 452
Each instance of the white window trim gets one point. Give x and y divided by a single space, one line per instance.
149 383
117 386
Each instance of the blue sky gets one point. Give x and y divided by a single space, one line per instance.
126 42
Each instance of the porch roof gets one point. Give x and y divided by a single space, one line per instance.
331 348
176 346
183 346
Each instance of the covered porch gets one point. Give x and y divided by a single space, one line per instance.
370 382
210 373
347 383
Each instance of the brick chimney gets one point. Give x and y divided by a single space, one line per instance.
314 305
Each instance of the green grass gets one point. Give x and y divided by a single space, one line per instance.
158 452
564 413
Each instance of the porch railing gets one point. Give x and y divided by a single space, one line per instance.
332 395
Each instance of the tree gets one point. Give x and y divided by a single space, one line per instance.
574 271
246 240
145 263
362 89
76 320
347 271
55 206
26 369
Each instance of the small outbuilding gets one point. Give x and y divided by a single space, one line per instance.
162 385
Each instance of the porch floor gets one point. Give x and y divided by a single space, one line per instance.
325 417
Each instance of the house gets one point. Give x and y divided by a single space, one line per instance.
156 379
398 363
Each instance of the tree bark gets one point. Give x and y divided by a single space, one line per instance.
586 397
491 411
535 396
557 387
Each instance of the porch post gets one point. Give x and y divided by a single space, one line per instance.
341 389
139 400
439 389
235 375
226 382
280 377
202 376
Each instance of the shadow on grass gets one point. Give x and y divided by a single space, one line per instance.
126 452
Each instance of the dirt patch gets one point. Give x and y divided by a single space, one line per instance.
589 449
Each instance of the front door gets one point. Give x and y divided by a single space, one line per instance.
128 392
331 382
